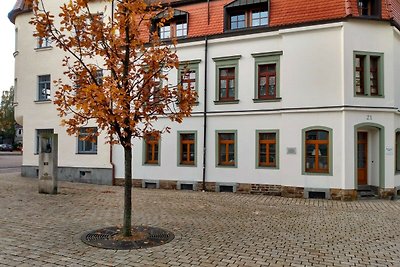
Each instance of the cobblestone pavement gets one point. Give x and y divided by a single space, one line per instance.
211 229
10 162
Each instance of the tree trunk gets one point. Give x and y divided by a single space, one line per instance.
126 230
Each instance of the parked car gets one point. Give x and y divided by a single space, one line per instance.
6 147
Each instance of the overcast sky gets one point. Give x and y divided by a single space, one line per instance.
6 46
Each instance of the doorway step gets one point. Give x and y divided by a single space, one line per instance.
367 192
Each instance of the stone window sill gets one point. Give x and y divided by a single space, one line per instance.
261 100
219 102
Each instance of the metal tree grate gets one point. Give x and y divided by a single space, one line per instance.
142 237
95 237
160 236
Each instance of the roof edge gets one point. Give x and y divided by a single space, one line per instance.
18 8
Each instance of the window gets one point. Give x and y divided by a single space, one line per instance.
44 87
187 148
173 29
246 14
227 69
368 74
181 29
369 7
165 32
43 42
226 84
188 74
267 149
238 21
317 151
188 80
99 77
359 74
397 144
177 26
155 91
78 83
267 76
259 18
16 41
87 143
151 150
267 81
373 75
226 148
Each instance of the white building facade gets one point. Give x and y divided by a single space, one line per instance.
304 108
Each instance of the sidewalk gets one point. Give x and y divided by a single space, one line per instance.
8 153
211 229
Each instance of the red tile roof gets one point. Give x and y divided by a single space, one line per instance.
282 12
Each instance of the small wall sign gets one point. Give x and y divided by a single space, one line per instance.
389 151
291 151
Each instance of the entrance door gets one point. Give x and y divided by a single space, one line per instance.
362 158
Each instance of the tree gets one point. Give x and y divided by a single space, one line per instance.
134 91
7 122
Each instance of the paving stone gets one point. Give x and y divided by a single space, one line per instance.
211 229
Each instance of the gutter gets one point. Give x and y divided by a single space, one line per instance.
18 8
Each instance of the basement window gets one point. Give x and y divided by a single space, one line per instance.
187 187
150 185
317 195
226 188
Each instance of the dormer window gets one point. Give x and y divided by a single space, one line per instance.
369 8
165 32
259 18
242 14
238 21
177 26
181 29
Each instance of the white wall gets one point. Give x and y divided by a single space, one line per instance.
316 71
29 64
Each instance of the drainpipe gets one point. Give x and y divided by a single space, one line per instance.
205 113
112 13
111 145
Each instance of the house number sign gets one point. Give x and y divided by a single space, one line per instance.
369 117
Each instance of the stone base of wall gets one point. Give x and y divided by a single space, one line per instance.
119 181
292 192
136 183
210 186
266 189
75 174
167 184
343 194
243 188
387 193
